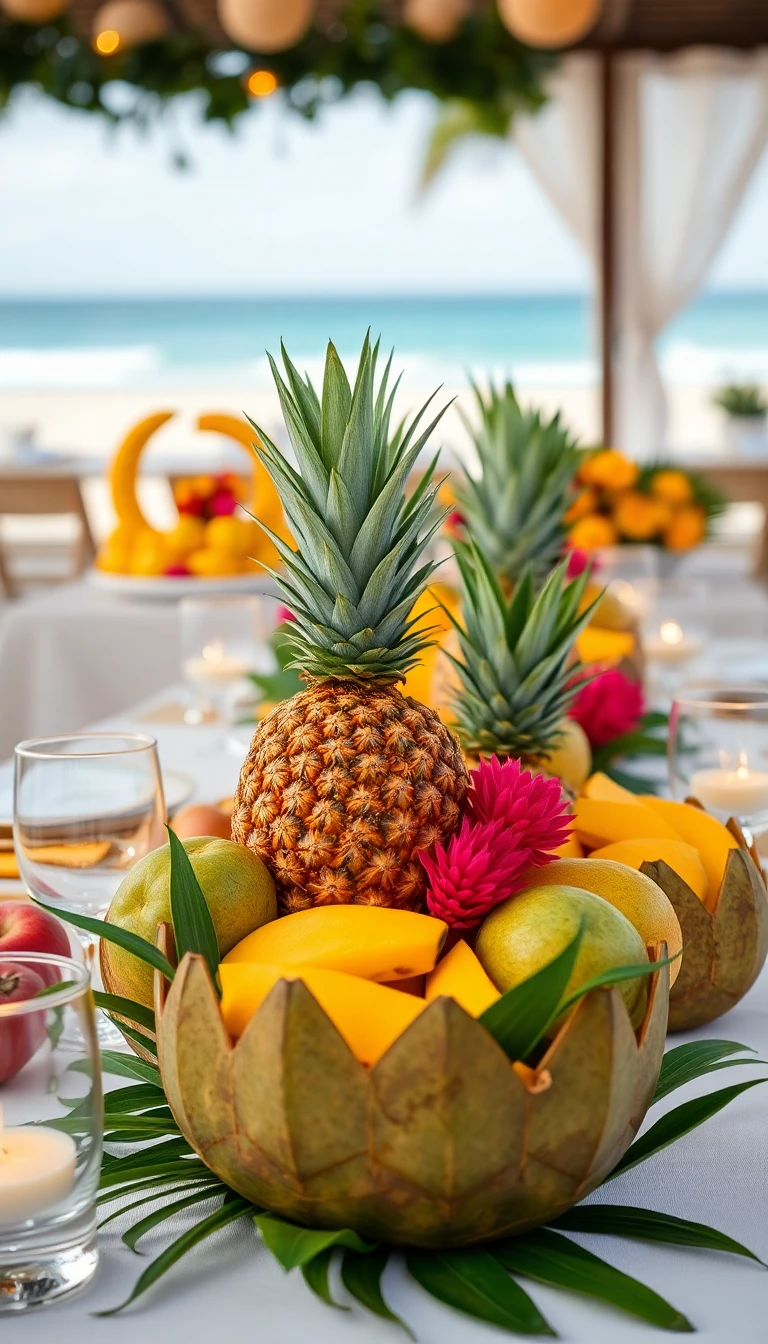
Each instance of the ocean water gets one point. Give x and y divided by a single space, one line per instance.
537 339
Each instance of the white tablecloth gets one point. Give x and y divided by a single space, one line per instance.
231 1289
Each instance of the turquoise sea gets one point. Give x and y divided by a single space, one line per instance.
134 343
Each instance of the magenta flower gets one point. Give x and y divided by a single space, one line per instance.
478 869
533 809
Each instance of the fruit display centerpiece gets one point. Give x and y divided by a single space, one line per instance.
383 1014
215 538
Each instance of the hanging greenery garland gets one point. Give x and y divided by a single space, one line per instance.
483 68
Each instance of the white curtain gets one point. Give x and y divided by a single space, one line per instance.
690 130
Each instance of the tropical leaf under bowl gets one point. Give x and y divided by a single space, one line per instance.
161 1177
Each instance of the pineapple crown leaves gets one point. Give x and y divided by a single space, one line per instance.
355 574
515 508
516 669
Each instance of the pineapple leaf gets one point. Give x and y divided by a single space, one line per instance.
337 399
306 399
548 1257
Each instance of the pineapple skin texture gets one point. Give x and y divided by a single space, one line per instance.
342 785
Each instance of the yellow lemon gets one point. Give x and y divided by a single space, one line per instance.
188 535
210 564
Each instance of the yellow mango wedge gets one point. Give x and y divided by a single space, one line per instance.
605 790
570 849
370 1017
364 940
707 835
679 855
598 823
460 976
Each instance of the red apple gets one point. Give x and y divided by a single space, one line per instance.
20 1036
26 928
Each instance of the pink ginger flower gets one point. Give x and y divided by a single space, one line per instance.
578 560
284 614
608 707
534 812
478 869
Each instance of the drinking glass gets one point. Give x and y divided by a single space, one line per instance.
718 752
222 640
86 809
49 1157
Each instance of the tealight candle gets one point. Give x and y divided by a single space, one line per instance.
37 1170
215 667
671 644
738 793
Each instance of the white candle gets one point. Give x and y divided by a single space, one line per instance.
738 793
671 645
215 667
37 1171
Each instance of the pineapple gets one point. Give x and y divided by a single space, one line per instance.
515 508
516 668
344 782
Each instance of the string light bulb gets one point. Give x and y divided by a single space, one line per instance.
435 21
120 24
261 83
549 23
32 11
265 25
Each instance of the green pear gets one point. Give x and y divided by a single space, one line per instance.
522 934
238 889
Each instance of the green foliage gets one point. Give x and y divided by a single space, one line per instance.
359 565
192 923
516 677
284 681
477 1280
741 400
483 66
515 508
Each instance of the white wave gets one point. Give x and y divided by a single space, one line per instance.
422 369
686 362
86 368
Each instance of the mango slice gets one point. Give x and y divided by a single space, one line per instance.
461 977
707 835
604 646
680 856
370 1017
571 849
636 895
365 940
605 790
600 823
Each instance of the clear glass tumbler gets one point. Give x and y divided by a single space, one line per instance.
49 1157
87 808
718 751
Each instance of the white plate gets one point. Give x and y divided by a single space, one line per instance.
177 788
164 589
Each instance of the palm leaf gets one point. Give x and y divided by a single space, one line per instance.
361 1276
621 1220
550 1258
693 1060
474 1282
678 1122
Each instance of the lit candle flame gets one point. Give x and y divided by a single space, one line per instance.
671 632
742 770
214 653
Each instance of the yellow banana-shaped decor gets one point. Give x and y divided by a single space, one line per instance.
220 547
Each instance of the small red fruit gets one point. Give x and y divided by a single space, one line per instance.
26 928
20 1036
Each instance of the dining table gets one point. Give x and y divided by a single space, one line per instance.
230 1288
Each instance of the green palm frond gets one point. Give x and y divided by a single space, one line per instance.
515 507
515 669
358 566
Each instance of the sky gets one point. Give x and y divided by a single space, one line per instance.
285 207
